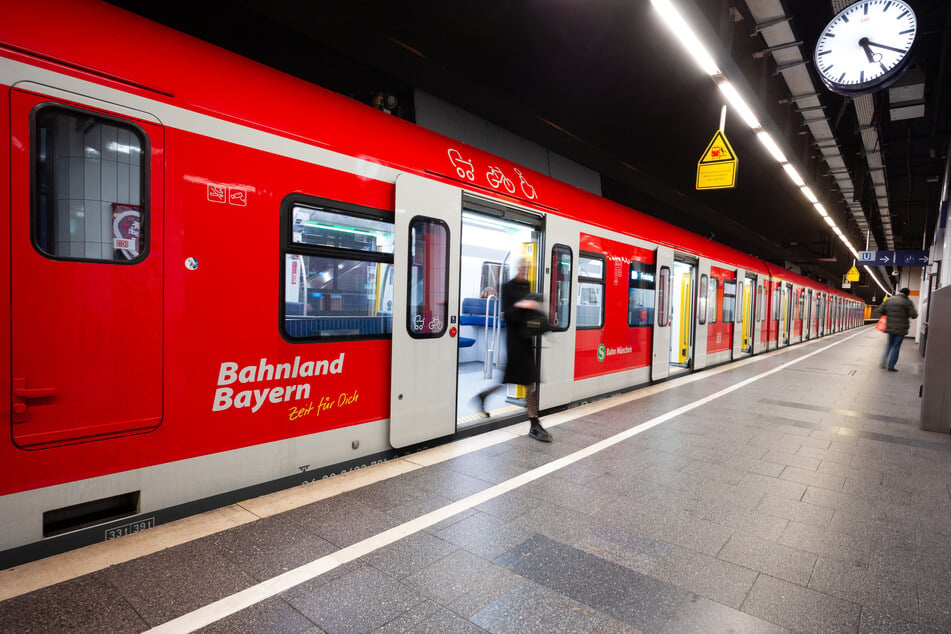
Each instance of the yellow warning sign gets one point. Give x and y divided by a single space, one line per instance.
717 166
853 274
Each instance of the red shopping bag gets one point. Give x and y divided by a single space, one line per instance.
880 326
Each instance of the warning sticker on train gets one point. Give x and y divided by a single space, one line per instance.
717 166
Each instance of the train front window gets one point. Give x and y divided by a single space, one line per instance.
338 272
590 308
89 177
640 294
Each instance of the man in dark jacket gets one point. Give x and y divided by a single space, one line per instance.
898 311
523 321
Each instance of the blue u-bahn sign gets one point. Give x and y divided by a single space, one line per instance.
893 258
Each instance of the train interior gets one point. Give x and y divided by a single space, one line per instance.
491 247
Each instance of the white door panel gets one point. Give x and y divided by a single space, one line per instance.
423 366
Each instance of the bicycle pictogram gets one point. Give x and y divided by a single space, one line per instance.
496 177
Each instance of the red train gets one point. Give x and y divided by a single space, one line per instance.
223 281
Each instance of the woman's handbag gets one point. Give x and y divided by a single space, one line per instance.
880 326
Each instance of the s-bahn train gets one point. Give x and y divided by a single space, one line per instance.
223 280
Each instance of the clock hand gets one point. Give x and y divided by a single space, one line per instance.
872 57
889 48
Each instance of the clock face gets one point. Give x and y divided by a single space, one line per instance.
865 47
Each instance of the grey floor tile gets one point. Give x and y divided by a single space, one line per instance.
430 618
484 535
360 601
177 580
342 519
769 558
269 547
800 609
890 593
707 576
826 543
271 615
697 615
85 604
409 555
452 576
619 592
631 550
536 609
877 620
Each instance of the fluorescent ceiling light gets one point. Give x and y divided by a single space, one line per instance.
746 113
678 26
771 146
820 209
829 221
793 174
809 195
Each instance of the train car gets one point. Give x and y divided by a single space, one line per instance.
223 281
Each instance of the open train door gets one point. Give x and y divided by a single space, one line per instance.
86 252
663 308
744 312
428 224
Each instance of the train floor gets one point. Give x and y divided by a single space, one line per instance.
791 492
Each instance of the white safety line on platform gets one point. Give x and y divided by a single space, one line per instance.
255 594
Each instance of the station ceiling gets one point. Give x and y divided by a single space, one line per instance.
605 84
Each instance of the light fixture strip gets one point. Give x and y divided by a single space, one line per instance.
695 48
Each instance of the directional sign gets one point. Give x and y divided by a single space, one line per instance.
872 258
717 166
893 258
911 258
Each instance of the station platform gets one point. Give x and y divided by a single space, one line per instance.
792 491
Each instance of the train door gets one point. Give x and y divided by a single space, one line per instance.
425 310
682 315
663 309
807 318
86 254
744 305
494 240
558 371
703 313
785 314
759 317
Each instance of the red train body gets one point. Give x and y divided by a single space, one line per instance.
224 280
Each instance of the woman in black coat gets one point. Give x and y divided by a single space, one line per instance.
523 322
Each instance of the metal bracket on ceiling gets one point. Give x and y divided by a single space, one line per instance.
783 67
759 26
778 47
809 108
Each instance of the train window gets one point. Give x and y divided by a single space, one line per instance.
729 300
663 289
760 304
776 303
337 271
640 294
427 310
704 299
560 310
712 295
89 178
590 309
